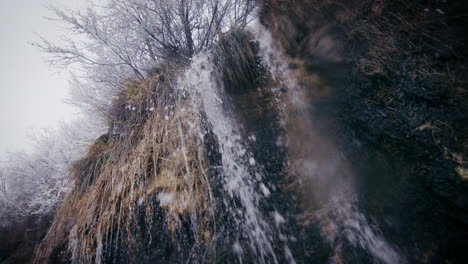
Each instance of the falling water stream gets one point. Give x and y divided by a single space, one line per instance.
242 176
353 224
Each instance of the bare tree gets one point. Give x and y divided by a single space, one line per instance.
119 40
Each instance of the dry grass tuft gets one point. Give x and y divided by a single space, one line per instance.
152 159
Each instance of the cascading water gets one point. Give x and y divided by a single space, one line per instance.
242 176
349 223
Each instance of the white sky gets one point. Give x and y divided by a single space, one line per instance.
31 92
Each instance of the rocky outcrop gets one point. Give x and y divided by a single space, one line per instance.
350 148
392 91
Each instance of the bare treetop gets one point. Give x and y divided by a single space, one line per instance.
118 40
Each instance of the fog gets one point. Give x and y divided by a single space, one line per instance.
31 92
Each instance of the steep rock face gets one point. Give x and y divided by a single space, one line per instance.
165 185
391 92
344 150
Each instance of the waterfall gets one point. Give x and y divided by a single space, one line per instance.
241 175
243 179
348 222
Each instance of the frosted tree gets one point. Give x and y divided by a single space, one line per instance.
119 40
32 184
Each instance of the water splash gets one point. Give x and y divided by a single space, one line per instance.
358 231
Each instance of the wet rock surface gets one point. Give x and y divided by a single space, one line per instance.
385 89
397 114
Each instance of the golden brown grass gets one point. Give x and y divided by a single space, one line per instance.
149 152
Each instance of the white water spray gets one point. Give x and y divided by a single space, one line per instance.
237 161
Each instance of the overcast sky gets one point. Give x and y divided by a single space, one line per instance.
31 92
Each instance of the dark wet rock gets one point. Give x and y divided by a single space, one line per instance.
377 86
396 114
